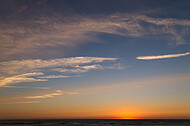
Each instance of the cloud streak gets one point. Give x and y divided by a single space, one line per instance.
32 65
87 68
58 92
79 69
76 70
19 71
73 93
20 79
55 76
162 56
24 102
39 97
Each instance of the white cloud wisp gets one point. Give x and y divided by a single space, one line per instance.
58 92
15 66
19 71
162 56
21 78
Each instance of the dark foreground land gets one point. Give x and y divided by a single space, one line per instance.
94 122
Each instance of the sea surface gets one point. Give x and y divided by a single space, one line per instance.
95 122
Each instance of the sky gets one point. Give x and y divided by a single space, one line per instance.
94 59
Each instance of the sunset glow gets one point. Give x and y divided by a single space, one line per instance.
94 59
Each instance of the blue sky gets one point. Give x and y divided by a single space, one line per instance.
56 52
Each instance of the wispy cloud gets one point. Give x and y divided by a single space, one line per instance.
31 65
18 70
72 93
55 76
58 76
79 69
75 70
9 86
58 92
40 97
24 102
165 21
86 68
50 95
18 38
89 67
20 78
162 56
27 102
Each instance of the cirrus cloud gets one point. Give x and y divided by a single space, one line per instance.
22 102
162 56
20 79
58 92
19 71
21 38
15 66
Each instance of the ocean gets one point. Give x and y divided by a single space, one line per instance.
96 122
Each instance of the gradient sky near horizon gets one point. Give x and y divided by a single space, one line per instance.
120 59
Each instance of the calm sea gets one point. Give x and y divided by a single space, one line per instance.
94 122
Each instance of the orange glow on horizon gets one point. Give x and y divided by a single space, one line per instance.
130 113
126 118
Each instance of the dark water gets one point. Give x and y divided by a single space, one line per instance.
94 122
